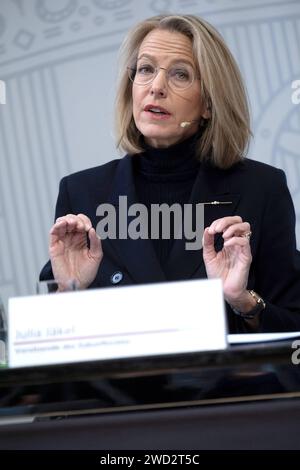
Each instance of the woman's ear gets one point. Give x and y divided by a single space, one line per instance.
206 115
207 111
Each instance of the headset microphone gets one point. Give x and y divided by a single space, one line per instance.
184 124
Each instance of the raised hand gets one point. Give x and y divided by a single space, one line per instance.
70 256
232 263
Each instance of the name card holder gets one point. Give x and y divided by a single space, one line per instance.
99 324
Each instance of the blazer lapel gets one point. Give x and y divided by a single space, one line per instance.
211 186
138 255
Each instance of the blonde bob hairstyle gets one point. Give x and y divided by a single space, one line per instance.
224 139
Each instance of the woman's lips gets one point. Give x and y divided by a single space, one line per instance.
155 112
157 116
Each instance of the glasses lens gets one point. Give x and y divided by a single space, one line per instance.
181 76
144 73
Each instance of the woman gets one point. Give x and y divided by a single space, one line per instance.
183 119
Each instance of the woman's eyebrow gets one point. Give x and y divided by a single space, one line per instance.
175 60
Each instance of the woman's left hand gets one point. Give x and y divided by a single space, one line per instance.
232 263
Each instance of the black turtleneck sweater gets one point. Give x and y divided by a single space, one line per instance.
165 175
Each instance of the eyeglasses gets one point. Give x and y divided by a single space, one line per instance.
179 76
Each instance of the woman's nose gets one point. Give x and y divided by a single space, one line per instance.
159 84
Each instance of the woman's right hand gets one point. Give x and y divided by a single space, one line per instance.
70 256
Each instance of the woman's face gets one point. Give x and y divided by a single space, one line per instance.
160 107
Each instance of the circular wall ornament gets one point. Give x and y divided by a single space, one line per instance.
54 11
287 149
277 139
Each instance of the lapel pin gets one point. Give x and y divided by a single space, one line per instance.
216 203
116 277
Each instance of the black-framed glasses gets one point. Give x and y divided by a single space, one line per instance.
179 75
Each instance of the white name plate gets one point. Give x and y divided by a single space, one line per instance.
142 320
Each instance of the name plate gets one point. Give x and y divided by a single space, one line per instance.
99 324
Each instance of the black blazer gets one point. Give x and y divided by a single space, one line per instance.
258 193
